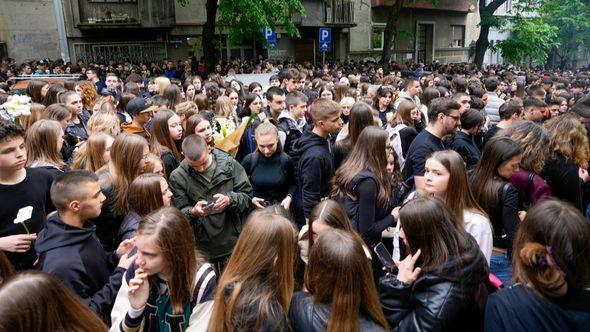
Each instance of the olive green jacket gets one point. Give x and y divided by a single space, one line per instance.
217 233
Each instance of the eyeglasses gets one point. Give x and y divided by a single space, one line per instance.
454 117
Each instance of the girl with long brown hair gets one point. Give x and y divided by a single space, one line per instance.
362 185
37 302
44 142
568 158
342 295
361 116
407 123
129 154
551 264
94 153
199 125
498 198
445 177
147 193
167 136
171 286
254 292
37 89
441 284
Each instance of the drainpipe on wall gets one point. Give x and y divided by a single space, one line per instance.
61 30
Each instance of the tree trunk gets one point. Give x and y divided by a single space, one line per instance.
390 31
209 51
481 45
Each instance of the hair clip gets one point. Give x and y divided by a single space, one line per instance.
552 255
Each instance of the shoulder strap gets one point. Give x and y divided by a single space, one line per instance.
284 161
253 161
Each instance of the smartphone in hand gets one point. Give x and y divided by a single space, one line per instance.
208 206
385 258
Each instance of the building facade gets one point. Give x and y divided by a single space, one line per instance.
151 30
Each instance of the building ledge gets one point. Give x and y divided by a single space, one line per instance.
94 26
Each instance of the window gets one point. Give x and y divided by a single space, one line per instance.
458 35
3 52
378 37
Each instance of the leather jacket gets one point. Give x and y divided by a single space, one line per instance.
450 297
306 315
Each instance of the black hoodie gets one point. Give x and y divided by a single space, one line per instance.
76 257
450 297
315 169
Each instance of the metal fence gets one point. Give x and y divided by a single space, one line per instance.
135 52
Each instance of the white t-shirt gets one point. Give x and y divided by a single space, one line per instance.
475 224
480 228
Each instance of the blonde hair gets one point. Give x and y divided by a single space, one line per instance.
41 142
103 122
534 141
163 82
187 108
223 106
90 154
567 136
36 115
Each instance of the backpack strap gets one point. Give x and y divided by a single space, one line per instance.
529 187
253 161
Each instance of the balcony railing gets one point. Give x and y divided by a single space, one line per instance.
339 12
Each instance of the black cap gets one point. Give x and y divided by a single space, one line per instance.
137 105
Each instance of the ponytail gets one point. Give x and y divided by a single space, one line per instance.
542 270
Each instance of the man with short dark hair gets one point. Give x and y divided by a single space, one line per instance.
69 248
510 112
464 100
93 76
275 97
213 191
292 120
494 102
534 110
444 119
24 197
411 92
316 161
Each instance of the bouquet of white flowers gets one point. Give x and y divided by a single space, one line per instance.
16 107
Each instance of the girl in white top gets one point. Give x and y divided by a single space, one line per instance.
445 177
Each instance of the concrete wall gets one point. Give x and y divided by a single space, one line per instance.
29 29
366 18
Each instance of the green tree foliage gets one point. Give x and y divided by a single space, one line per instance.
543 28
244 19
532 39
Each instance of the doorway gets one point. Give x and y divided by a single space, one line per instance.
425 42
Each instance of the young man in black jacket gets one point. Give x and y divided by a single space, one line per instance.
316 161
69 249
292 120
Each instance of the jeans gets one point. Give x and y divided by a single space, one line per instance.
500 266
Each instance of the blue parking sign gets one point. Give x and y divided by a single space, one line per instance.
325 35
269 36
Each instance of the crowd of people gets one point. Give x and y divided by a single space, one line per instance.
330 198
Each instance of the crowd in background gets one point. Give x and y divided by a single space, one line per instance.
338 197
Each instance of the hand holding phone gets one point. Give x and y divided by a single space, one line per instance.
385 258
208 206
